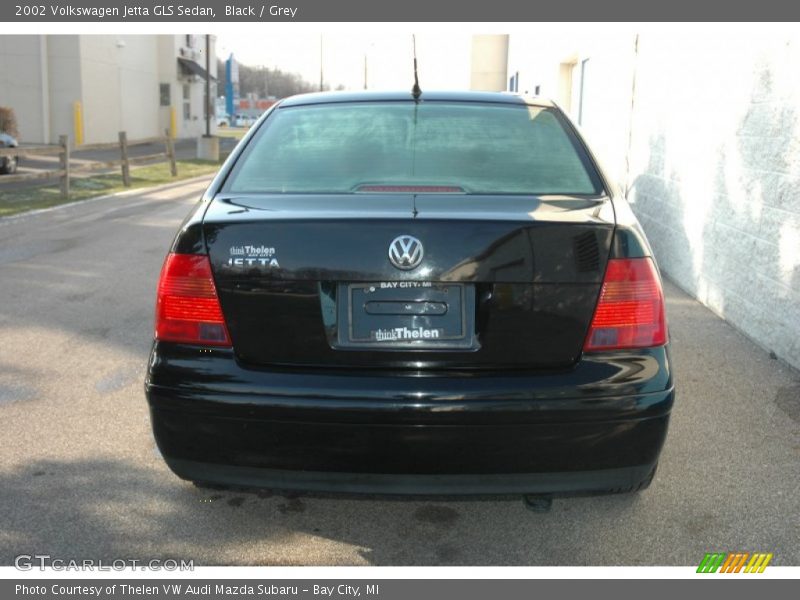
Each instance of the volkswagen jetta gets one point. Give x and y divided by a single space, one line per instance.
401 293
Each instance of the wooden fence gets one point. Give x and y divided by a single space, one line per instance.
66 166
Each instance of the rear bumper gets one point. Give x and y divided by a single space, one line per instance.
570 482
407 459
390 433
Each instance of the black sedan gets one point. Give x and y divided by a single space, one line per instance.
401 293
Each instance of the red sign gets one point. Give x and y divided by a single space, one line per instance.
245 104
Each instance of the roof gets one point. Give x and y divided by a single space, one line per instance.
434 96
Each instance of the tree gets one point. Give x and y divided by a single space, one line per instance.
264 82
8 121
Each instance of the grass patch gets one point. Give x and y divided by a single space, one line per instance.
232 132
44 196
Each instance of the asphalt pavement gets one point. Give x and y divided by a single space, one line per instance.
80 476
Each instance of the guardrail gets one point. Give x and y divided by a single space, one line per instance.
66 168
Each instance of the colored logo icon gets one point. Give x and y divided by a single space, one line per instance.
734 562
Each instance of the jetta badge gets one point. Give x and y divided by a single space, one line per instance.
406 252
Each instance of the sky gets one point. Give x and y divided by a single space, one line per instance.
443 59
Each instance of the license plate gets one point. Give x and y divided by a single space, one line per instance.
406 314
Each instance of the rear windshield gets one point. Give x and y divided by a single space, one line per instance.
477 148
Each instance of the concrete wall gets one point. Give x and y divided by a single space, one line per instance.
489 63
703 129
119 86
715 175
196 125
115 77
168 73
101 90
64 83
22 76
170 48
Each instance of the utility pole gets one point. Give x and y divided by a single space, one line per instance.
208 145
208 85
365 70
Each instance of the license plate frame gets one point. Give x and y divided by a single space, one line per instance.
403 315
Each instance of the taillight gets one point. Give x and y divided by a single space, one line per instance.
187 308
630 311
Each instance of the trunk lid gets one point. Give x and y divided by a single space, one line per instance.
528 271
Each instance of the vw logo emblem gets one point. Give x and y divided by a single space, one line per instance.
405 252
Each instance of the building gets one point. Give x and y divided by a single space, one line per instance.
701 127
489 63
91 87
